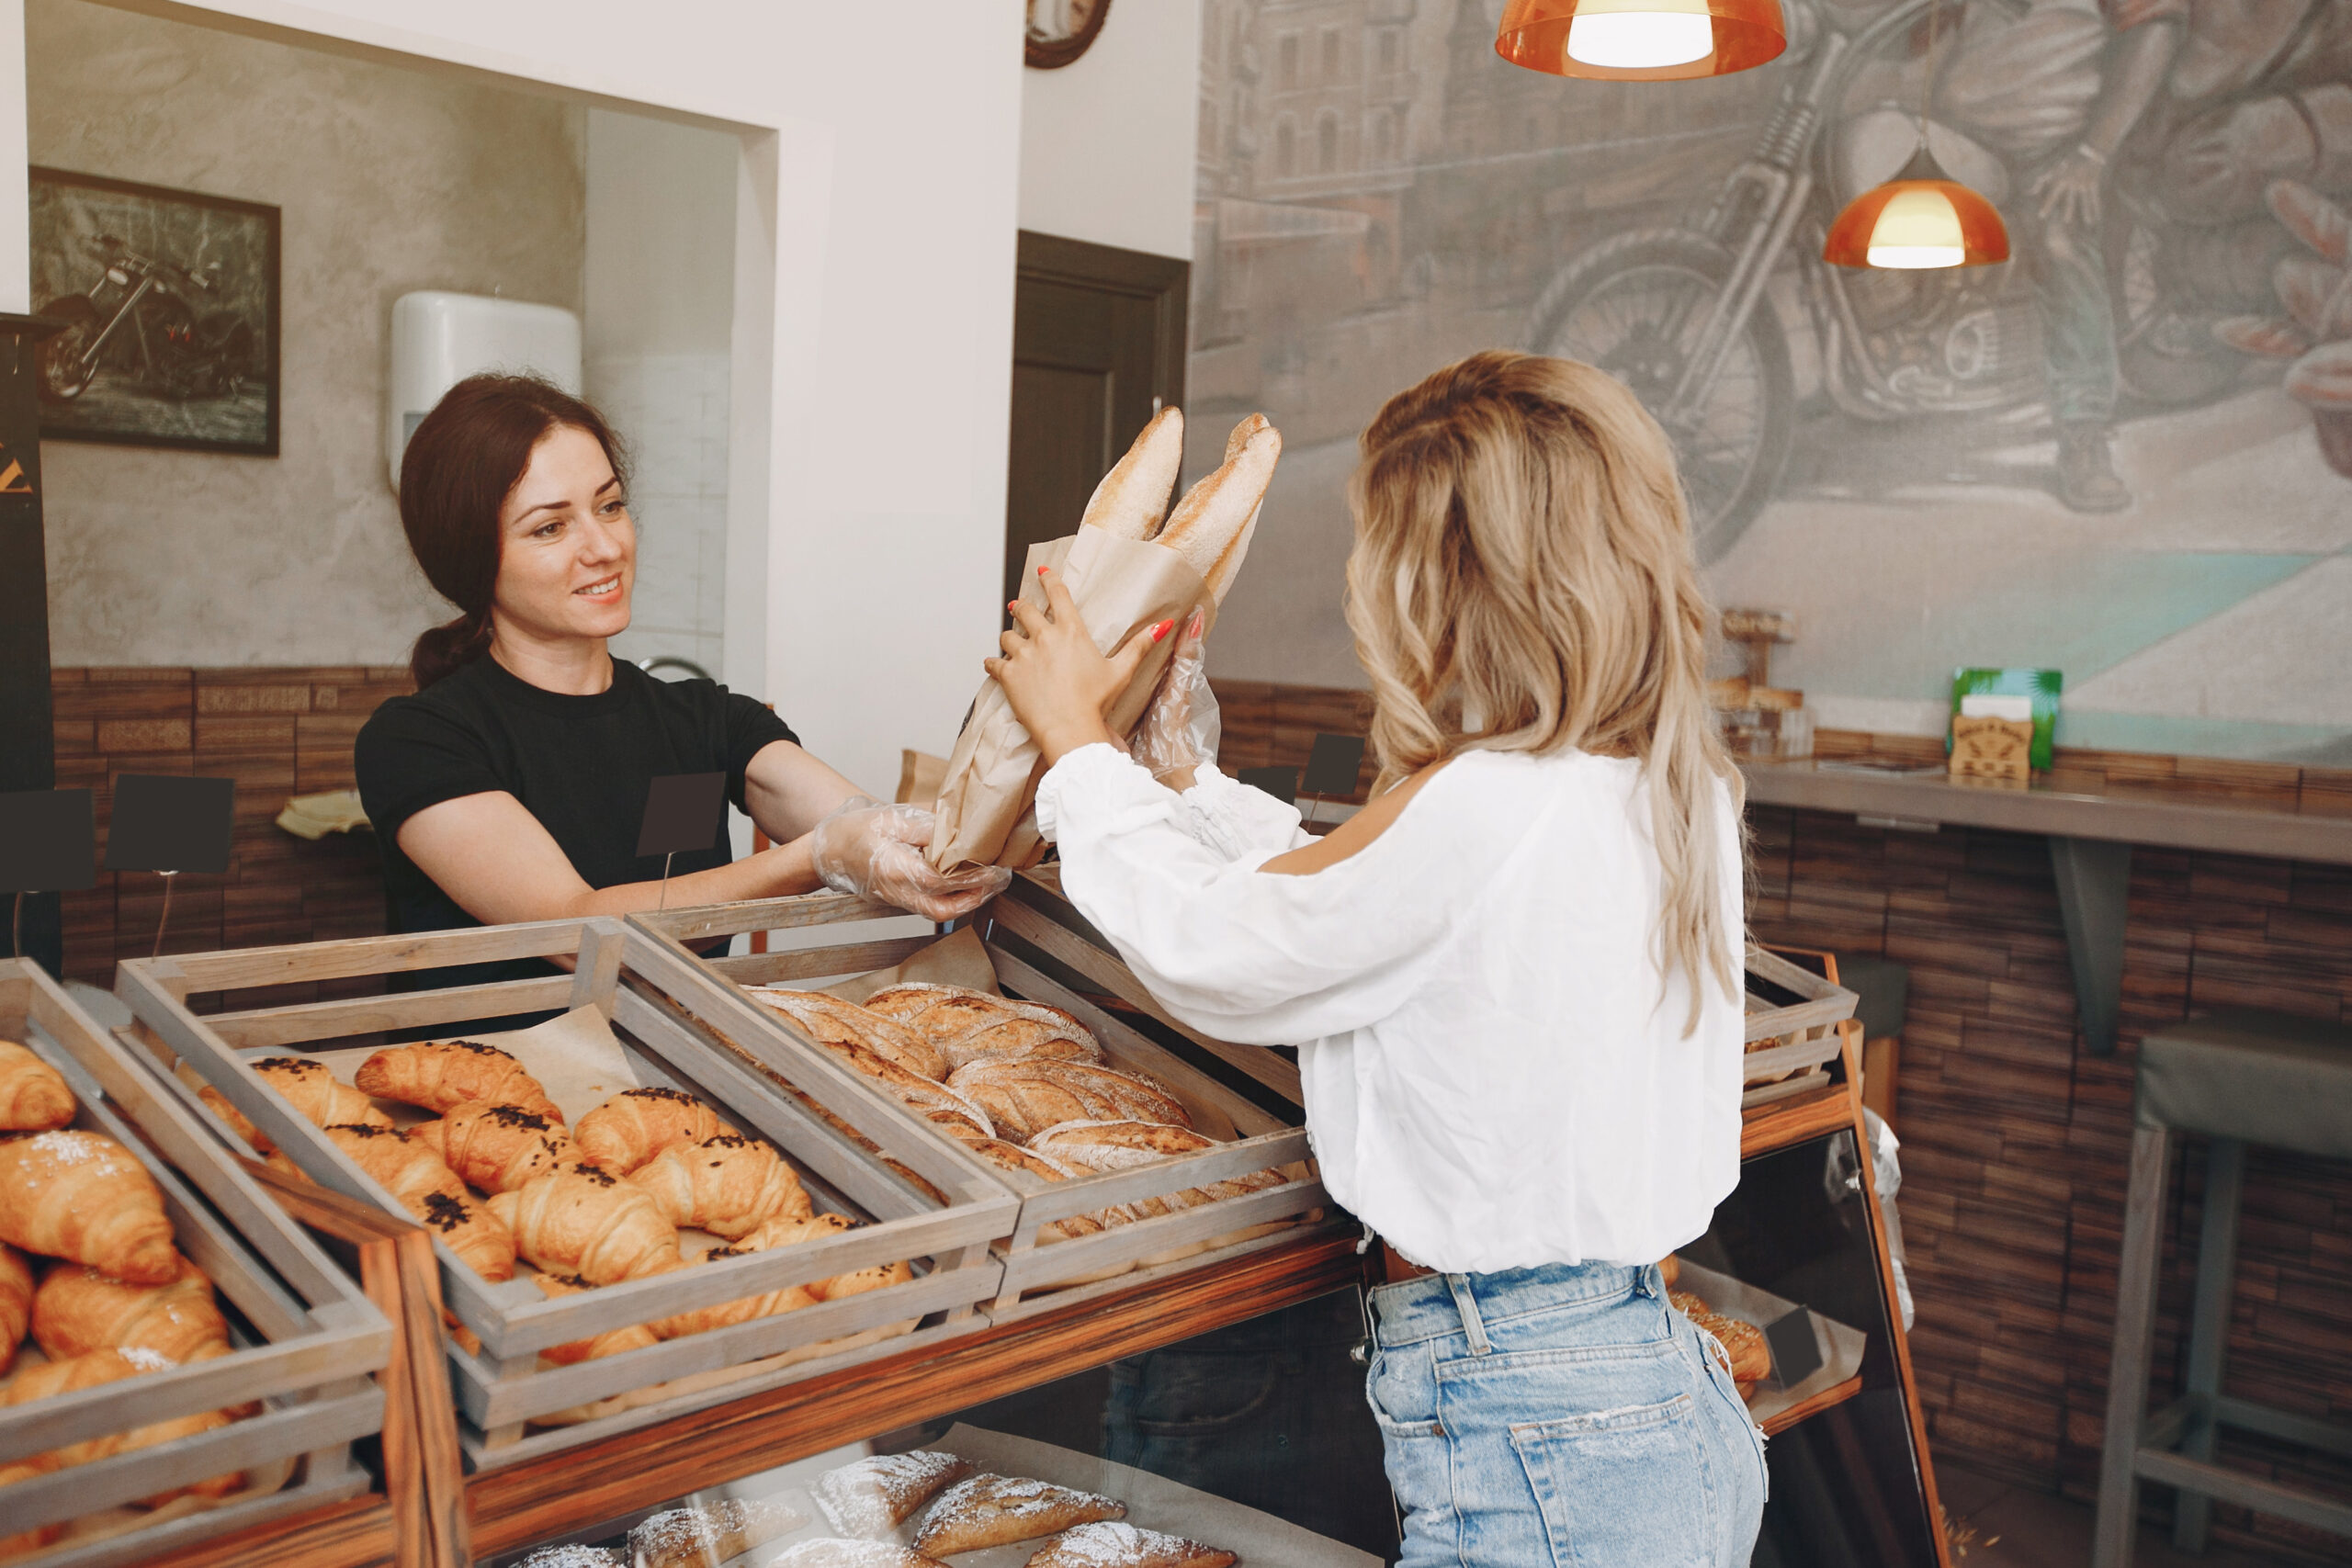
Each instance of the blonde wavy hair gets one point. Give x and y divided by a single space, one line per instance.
1523 581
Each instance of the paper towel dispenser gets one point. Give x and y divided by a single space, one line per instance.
440 338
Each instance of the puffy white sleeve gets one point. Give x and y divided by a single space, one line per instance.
1244 955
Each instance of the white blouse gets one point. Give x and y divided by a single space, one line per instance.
1495 1071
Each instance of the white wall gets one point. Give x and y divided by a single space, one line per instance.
1107 142
875 254
661 312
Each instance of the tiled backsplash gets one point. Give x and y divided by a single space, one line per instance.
671 413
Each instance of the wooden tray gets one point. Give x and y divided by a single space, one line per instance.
1039 1274
1803 1033
672 1019
318 1336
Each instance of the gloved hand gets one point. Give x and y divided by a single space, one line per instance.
876 851
1181 728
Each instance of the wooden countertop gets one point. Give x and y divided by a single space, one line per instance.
2061 804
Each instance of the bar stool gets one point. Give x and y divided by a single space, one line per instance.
2239 1078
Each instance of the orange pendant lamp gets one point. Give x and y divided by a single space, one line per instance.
1921 218
1640 40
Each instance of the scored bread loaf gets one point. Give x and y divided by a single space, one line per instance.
874 1496
1047 1168
1025 1098
33 1095
1211 528
969 1025
1111 1544
700 1535
1133 497
832 1023
1124 1146
981 1511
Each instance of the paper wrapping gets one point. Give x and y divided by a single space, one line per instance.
1154 1502
1121 586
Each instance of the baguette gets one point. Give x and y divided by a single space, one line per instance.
1133 497
1212 525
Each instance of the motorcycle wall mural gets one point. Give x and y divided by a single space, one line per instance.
167 303
2125 454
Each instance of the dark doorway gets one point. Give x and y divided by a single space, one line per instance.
1097 345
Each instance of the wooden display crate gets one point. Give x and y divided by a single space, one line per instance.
671 1018
308 1340
1039 1274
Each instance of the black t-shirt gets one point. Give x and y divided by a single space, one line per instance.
580 765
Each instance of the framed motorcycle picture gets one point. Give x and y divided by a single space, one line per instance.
168 305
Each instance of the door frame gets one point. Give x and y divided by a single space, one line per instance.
1165 281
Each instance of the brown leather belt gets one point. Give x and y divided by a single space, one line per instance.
1396 1268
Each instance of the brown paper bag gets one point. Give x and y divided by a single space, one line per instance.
1121 586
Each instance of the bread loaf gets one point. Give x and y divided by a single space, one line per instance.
1114 1545
1123 1146
1025 1098
873 1496
996 1511
1046 1168
832 1023
967 1025
1211 528
702 1535
1133 497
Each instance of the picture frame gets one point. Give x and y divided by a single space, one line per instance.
169 308
1061 30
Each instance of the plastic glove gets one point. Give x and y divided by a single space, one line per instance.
875 851
1183 726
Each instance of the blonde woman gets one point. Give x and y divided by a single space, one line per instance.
1514 975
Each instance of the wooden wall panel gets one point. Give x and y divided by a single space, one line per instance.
278 732
2015 1139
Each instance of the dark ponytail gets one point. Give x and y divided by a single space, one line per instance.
462 462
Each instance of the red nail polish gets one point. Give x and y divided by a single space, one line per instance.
1162 630
1041 572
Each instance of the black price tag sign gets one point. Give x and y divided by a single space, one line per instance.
163 822
1796 1353
684 812
49 841
1280 783
1332 766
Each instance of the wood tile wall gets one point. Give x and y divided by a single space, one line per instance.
2015 1140
278 732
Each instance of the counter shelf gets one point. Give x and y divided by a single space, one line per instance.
672 1021
1037 1273
306 1344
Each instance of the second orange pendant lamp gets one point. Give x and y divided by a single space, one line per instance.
1640 41
1921 218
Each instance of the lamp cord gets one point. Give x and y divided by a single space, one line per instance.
16 929
1927 83
166 917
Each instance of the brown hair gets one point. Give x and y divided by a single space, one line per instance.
1523 581
461 464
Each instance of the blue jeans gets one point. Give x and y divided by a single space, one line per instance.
1544 1417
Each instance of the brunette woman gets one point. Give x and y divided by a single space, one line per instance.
512 786
1514 978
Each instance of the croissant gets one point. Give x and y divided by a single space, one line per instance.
33 1540
33 1095
237 1122
578 1219
496 1148
429 1191
728 1185
611 1342
82 1196
442 1075
316 1095
817 1227
96 1367
16 1302
636 1124
80 1310
725 1314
